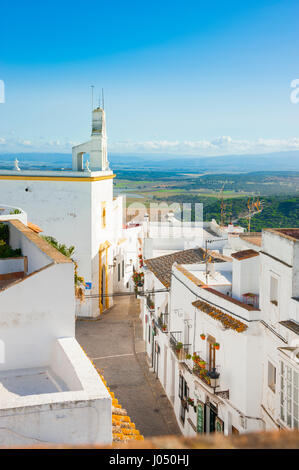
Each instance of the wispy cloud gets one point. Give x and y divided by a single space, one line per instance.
223 145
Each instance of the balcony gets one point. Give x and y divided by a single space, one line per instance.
181 350
201 369
150 304
162 322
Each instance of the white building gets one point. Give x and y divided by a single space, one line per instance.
246 310
49 390
77 208
279 283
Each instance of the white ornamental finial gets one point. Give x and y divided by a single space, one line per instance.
87 166
16 167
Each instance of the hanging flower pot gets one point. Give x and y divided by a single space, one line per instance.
203 336
216 346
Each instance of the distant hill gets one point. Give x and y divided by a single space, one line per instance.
287 161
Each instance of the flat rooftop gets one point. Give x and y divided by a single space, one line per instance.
213 279
16 384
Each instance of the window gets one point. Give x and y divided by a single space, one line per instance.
123 268
183 413
274 290
271 376
211 352
183 395
149 333
118 272
289 395
181 386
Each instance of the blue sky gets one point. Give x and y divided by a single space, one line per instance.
192 77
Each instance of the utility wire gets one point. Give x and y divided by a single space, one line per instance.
119 294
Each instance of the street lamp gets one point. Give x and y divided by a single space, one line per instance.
214 378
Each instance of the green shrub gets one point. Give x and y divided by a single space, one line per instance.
7 252
4 233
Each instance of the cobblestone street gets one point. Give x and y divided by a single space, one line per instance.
115 345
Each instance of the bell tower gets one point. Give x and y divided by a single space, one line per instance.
96 147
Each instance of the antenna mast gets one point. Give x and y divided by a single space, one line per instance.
103 104
92 87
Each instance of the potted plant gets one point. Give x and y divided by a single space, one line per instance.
164 327
178 348
188 356
216 346
190 401
203 336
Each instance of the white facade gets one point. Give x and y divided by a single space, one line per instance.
49 390
78 209
255 298
280 306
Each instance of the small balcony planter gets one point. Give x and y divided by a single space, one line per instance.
164 327
188 356
203 336
216 346
190 401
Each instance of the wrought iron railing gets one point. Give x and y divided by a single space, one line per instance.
162 322
181 350
201 368
150 303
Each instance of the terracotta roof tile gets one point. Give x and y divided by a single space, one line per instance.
228 321
244 254
45 247
34 227
290 233
291 325
253 237
162 265
231 299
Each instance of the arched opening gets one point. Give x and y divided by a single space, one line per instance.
80 161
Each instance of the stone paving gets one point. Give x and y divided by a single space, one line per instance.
114 343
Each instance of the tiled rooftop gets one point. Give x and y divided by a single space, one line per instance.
227 321
231 299
45 247
162 266
291 325
244 254
291 233
255 238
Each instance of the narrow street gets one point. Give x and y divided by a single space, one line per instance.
115 345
